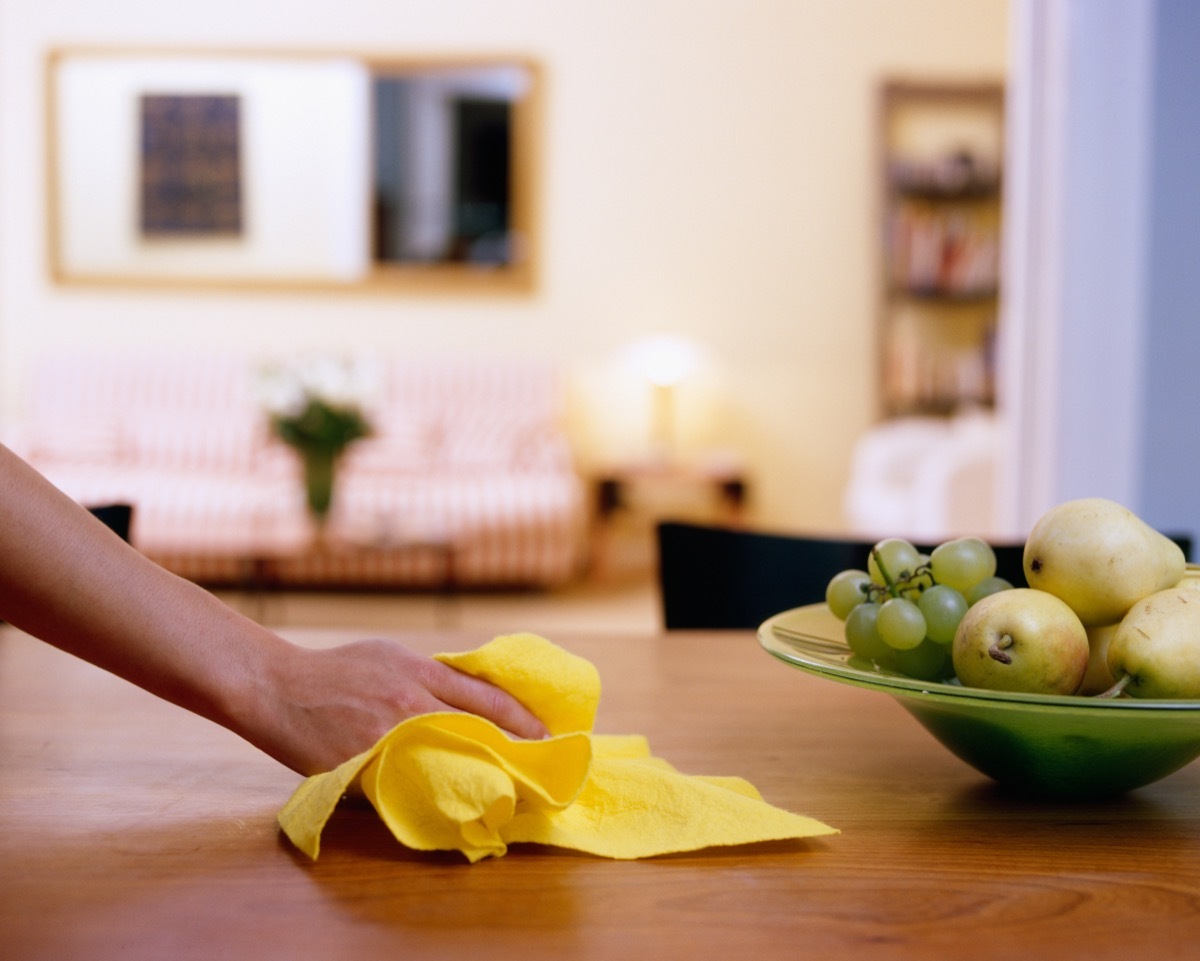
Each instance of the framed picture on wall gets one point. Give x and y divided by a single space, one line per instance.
190 176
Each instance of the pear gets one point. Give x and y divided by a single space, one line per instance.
1099 557
1155 650
1021 640
1098 678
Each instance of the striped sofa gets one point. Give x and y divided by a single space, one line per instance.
469 478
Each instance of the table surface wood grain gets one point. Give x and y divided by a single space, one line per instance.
130 829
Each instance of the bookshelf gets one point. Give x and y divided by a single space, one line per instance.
941 150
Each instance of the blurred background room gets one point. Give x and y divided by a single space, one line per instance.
869 267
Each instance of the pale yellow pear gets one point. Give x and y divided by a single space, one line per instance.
1157 645
1099 557
1021 640
1098 678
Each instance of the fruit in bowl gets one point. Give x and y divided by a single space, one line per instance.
1155 650
1100 558
1080 687
1089 563
1022 640
903 609
1098 678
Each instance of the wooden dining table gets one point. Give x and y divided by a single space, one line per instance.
131 829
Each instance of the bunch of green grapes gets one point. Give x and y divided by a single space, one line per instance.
902 611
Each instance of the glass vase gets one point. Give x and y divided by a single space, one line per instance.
320 474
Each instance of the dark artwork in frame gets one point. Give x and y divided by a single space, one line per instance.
191 181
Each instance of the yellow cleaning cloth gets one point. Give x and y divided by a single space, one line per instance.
452 781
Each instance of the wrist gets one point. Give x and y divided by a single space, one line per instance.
241 679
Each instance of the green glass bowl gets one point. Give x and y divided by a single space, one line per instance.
1040 744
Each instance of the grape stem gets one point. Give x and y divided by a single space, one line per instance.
1118 688
887 578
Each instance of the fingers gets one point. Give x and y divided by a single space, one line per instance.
463 692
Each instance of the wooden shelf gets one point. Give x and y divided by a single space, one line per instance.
940 295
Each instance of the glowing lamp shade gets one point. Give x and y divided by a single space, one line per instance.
664 360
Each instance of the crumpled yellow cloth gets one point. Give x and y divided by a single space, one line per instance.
452 781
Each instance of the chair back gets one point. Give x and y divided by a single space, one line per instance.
116 517
720 578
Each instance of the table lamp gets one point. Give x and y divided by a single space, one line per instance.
664 360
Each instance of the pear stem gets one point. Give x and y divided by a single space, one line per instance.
1117 689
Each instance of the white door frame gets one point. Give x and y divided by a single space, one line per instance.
1076 196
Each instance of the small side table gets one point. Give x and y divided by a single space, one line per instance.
635 495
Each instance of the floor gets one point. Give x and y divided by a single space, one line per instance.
626 604
619 595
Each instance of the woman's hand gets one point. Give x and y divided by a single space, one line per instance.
319 707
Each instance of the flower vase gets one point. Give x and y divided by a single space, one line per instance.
320 471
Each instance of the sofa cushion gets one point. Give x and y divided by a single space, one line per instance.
496 439
200 439
401 442
72 440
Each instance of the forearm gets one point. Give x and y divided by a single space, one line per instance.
64 577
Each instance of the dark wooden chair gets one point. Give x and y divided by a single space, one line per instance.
116 517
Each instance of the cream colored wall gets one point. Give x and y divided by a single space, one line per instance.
707 170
